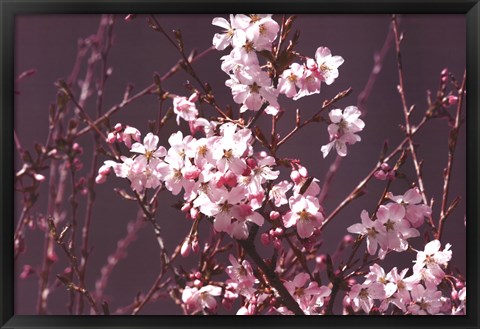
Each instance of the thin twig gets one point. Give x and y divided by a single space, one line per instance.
452 143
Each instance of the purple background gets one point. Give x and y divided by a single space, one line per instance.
49 44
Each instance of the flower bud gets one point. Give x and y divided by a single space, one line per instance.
451 100
185 250
118 127
27 271
197 283
111 138
100 179
385 166
186 207
39 177
251 163
194 213
348 239
295 176
274 215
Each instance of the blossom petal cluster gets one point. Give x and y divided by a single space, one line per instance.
303 80
417 294
305 211
342 130
220 175
392 225
251 86
308 294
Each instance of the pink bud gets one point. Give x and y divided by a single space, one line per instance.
380 175
198 275
451 100
278 231
444 72
104 170
27 271
251 163
247 171
303 171
348 239
197 283
295 176
39 177
185 250
321 259
265 239
274 215
230 179
385 166
193 98
100 179
52 256
194 213
111 138
77 148
118 127
186 207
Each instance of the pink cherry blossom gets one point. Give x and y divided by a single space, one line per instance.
345 124
377 274
416 211
429 262
252 87
278 193
310 297
425 301
223 40
373 230
290 79
363 295
129 135
149 149
327 64
199 299
305 214
185 108
397 229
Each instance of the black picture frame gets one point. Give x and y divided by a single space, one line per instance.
10 8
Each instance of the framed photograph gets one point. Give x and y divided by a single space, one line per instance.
263 164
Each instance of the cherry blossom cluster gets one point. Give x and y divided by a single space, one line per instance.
309 296
253 87
242 283
342 130
421 293
393 224
305 212
220 175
